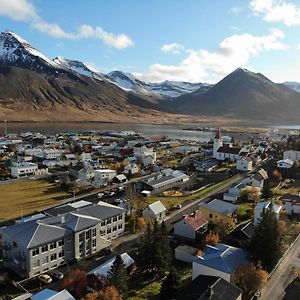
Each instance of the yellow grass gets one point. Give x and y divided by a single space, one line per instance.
32 195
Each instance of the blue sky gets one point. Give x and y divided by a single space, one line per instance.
192 40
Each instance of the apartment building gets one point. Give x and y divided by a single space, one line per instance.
67 232
23 169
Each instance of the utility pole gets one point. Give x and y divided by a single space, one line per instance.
21 210
5 127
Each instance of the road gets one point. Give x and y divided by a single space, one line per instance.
284 274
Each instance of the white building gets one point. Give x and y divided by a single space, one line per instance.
23 169
104 177
291 154
155 211
285 163
244 164
218 143
257 179
291 203
145 156
262 207
131 169
49 154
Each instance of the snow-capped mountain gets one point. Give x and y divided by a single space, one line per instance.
78 67
166 89
292 85
18 52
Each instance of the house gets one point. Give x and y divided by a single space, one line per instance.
23 169
145 156
49 154
186 149
261 207
47 294
241 236
234 192
206 165
163 180
104 177
131 169
70 231
292 155
244 164
205 287
257 179
155 211
221 260
285 163
85 157
217 209
291 203
102 270
191 227
121 178
82 171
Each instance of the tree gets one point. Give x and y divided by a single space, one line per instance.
266 243
250 279
117 274
225 225
107 293
170 286
296 164
277 175
76 283
253 194
212 239
266 190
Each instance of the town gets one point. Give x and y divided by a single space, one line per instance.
149 218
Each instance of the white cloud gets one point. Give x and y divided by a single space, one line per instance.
23 10
172 48
18 10
236 10
285 12
202 65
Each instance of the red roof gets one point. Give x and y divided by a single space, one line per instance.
218 134
196 220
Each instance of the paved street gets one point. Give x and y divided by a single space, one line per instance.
284 274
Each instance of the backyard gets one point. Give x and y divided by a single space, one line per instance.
27 196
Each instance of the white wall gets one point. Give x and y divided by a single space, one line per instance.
199 269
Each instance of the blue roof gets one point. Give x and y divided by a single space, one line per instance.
223 258
44 294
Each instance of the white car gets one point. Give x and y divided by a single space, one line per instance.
119 201
100 195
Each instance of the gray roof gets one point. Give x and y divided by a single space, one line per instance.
157 207
220 207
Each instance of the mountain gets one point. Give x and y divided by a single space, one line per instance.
78 67
292 85
34 87
164 90
244 95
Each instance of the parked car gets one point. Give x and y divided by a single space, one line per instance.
106 251
56 274
73 260
121 188
178 206
119 201
100 195
45 279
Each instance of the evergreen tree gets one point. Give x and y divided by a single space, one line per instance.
117 275
145 256
170 286
266 190
166 250
265 245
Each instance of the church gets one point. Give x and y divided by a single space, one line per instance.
226 151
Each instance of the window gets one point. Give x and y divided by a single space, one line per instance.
53 245
108 221
120 217
115 228
36 263
61 243
102 232
94 233
35 251
81 248
61 254
53 257
94 243
108 230
44 248
88 234
103 224
45 260
45 270
15 244
81 237
115 219
120 226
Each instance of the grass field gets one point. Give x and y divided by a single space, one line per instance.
31 194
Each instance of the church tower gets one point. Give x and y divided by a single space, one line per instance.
218 142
